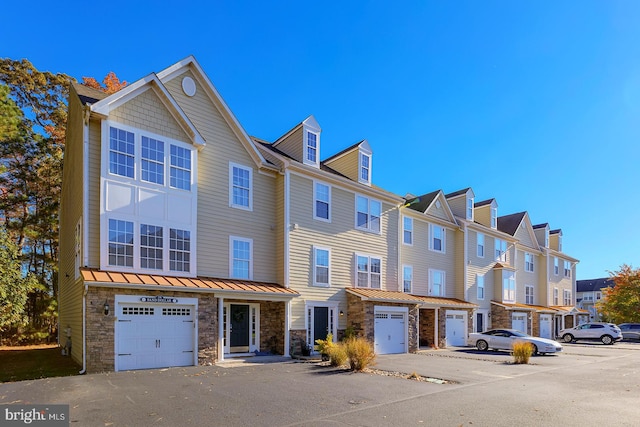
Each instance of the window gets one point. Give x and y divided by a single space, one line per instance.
241 259
437 242
528 262
241 192
470 208
528 294
480 284
311 152
598 296
151 247
566 297
369 272
322 206
436 283
152 160
407 236
368 214
480 248
179 250
365 168
120 243
556 267
494 217
567 269
556 297
407 278
180 172
321 266
508 287
121 152
560 242
501 250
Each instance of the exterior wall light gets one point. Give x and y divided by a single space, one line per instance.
106 308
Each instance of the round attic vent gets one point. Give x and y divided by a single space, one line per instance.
188 86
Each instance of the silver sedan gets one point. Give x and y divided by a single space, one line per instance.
503 339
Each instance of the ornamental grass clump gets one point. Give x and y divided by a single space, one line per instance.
337 354
360 353
522 351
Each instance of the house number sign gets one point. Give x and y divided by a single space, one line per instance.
159 299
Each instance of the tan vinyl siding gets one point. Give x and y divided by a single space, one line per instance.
422 259
69 288
439 212
343 240
94 193
458 205
460 290
216 219
482 215
147 112
524 237
524 277
293 145
347 164
478 265
280 229
553 241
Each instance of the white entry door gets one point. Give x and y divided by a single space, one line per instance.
390 330
456 328
519 322
545 326
154 336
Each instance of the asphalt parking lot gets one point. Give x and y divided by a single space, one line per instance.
588 384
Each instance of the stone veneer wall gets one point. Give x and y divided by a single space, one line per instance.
272 326
100 328
568 322
297 338
427 332
360 316
427 326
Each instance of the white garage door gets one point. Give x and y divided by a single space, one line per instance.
154 336
456 328
519 322
545 326
390 331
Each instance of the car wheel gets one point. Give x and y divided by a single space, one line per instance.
534 349
482 345
606 339
567 338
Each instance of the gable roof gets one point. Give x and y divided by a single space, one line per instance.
457 193
543 225
556 231
362 143
484 203
104 106
426 201
509 223
88 95
590 285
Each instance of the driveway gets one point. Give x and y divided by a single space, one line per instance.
587 385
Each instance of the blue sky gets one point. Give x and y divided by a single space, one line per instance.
535 104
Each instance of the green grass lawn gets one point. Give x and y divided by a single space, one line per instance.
33 362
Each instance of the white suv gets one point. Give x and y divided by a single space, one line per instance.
608 333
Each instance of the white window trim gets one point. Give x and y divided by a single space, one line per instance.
444 238
469 208
410 267
315 201
566 297
332 306
530 256
368 271
444 282
305 159
556 266
494 218
509 279
250 170
526 288
404 229
484 246
478 280
369 200
320 284
502 257
362 153
556 296
241 239
565 270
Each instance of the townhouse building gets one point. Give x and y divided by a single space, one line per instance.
186 241
589 292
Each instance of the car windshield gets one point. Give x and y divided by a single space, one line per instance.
519 334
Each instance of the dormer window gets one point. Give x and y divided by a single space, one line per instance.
494 217
311 148
560 242
546 239
470 208
365 168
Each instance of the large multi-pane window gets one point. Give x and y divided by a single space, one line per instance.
407 278
528 262
241 263
321 257
322 198
436 283
508 287
407 230
121 152
437 241
179 250
241 186
528 294
480 245
369 271
567 269
152 160
151 247
120 243
566 297
180 171
368 214
501 250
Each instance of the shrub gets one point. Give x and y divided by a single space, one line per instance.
360 353
325 346
522 351
338 354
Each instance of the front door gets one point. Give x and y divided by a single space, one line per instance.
239 328
320 323
479 322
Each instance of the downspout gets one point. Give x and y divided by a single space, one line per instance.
287 227
400 281
85 188
465 261
84 330
221 330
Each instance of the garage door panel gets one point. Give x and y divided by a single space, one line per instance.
456 328
390 332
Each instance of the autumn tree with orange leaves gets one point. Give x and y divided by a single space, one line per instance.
32 134
621 303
